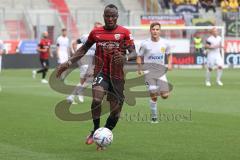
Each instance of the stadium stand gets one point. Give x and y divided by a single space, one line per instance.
13 16
64 12
85 13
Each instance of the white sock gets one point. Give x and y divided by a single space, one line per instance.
208 75
80 88
77 90
153 107
219 74
71 96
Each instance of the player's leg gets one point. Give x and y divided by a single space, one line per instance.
45 70
41 70
78 90
219 75
85 65
153 106
219 63
210 64
152 87
116 100
164 87
83 84
98 91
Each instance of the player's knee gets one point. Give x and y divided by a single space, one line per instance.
46 69
96 103
210 69
164 95
154 98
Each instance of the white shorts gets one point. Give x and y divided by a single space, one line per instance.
157 85
63 57
83 70
86 60
86 66
213 61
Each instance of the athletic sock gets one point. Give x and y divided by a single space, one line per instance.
219 74
153 107
111 122
208 75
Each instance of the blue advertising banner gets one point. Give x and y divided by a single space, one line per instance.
28 47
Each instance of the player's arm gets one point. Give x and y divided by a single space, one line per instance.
50 51
57 51
40 49
140 58
120 58
78 55
169 59
132 53
139 64
208 45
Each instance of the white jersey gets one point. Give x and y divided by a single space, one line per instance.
154 52
214 41
83 39
63 45
2 48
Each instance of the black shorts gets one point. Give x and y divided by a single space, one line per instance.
44 63
115 87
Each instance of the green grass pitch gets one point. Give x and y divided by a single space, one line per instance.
200 123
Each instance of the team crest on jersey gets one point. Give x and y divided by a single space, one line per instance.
163 50
117 36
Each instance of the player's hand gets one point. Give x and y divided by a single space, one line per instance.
61 68
119 58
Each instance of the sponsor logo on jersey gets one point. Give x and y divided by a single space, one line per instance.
155 57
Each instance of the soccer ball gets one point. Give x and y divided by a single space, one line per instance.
103 137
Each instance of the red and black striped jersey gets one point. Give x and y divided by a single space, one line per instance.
45 44
107 43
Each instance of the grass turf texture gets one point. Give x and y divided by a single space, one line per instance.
208 127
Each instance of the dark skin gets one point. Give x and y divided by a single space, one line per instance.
110 18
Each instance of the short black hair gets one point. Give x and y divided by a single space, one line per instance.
111 6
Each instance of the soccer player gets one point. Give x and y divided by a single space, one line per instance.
44 52
63 52
214 57
2 51
153 51
112 41
86 67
